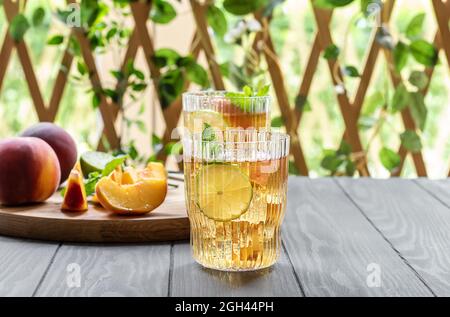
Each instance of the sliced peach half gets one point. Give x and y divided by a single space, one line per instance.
75 195
146 192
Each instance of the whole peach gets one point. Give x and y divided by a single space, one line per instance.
29 171
60 141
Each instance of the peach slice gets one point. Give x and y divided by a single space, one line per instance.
146 192
75 196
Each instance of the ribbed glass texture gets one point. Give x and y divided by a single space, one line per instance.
242 231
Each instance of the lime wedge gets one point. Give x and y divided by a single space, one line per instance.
93 161
211 117
223 192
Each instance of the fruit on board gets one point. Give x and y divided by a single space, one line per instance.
60 141
75 195
93 161
129 176
29 171
148 191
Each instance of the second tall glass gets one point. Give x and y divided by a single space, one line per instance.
222 110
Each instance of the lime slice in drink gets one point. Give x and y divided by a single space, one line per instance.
223 192
93 161
211 117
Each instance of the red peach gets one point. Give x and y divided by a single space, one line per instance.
60 141
29 171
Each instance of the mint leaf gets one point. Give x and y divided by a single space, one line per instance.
89 184
111 165
208 134
242 100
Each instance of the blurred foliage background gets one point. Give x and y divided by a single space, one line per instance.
292 27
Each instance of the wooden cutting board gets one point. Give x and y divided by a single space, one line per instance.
46 221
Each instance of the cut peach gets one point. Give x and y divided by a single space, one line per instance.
116 175
129 176
147 191
94 199
75 195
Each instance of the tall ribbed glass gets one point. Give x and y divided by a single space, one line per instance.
236 187
223 110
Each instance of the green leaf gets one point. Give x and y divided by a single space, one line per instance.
138 86
19 26
157 143
344 149
91 181
140 75
331 52
165 57
140 125
38 16
351 71
400 55
419 110
170 86
411 141
390 160
293 170
350 168
332 162
119 75
424 52
330 4
208 133
415 27
239 7
174 148
263 90
401 98
373 102
162 12
82 68
197 74
366 122
277 122
96 99
217 20
418 79
55 40
111 165
301 103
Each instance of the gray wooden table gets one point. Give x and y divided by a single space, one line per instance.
341 237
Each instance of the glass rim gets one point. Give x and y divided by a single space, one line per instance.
220 94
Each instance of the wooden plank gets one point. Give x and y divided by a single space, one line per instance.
439 189
120 270
23 263
331 245
191 279
416 224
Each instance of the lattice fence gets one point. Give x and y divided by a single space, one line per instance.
202 41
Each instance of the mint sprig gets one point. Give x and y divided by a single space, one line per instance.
241 100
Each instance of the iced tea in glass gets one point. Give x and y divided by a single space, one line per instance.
223 110
236 187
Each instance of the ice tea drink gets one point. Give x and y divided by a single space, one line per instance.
236 189
219 110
